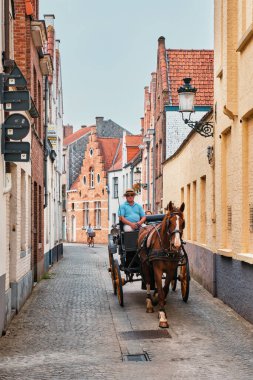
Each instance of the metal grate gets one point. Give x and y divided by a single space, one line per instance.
145 334
251 217
229 216
136 358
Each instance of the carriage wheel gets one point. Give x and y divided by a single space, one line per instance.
174 282
185 281
118 282
111 262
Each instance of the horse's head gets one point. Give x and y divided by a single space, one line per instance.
175 225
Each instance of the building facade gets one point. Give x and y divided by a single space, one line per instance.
162 124
214 176
88 195
53 215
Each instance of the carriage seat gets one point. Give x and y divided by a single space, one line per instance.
130 240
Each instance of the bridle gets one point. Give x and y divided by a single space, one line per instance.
176 230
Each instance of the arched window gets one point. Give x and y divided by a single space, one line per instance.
91 152
98 178
84 180
91 177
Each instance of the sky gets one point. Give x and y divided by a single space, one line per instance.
109 49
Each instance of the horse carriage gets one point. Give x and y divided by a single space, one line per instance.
146 255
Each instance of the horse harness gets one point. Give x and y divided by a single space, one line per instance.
164 254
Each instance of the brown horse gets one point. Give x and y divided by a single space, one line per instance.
159 248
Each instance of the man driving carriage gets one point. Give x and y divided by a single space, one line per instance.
130 213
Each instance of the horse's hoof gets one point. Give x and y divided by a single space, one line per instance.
163 325
149 308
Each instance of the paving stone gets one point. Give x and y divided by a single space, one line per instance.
72 327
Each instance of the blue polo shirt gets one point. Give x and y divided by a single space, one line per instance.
132 213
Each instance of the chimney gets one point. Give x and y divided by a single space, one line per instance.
99 120
142 125
161 41
67 130
49 20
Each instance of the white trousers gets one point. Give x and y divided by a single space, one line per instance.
128 228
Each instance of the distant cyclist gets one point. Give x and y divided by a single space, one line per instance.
90 235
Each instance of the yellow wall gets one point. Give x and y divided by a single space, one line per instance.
234 136
189 177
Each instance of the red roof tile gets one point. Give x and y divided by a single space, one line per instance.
78 134
108 148
117 159
196 64
132 145
133 140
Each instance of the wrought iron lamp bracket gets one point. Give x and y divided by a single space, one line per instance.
203 128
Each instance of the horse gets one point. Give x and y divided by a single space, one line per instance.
159 251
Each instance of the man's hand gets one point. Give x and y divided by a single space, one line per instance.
134 226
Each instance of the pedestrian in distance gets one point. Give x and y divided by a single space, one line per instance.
130 213
90 236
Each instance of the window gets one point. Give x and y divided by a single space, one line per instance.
91 152
251 217
84 180
115 187
113 218
72 206
98 214
229 218
91 177
85 214
98 178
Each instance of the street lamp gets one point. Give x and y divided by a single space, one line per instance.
186 94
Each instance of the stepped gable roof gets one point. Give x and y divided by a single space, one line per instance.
78 134
108 146
132 145
196 64
117 162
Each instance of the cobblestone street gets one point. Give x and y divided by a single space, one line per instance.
73 328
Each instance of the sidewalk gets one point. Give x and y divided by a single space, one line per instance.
73 328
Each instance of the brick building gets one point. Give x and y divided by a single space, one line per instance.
30 36
75 149
88 195
161 105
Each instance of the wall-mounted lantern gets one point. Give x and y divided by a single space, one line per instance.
186 95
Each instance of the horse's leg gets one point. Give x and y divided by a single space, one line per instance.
149 305
147 280
166 286
163 323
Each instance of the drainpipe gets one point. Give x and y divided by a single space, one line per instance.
131 175
45 145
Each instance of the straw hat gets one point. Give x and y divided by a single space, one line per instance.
129 192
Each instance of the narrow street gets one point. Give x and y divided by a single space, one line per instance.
73 328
